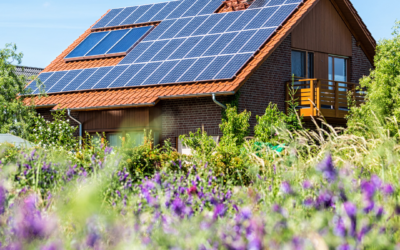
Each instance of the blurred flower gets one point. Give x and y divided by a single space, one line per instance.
344 247
3 197
324 200
245 213
286 188
91 239
368 189
192 190
307 184
376 181
178 206
350 209
308 202
276 208
388 189
219 211
327 168
379 212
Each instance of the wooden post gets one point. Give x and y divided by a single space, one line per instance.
318 101
337 99
312 95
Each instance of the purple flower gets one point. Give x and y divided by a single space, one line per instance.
3 197
363 232
350 209
325 200
192 190
369 205
327 168
286 188
246 213
308 202
340 228
307 184
108 150
368 189
219 211
344 247
379 212
91 239
297 243
388 189
276 208
149 185
376 181
178 207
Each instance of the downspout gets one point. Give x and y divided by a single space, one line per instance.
217 102
80 126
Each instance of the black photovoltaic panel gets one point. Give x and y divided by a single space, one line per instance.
51 81
42 79
185 49
140 11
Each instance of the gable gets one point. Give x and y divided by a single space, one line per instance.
323 30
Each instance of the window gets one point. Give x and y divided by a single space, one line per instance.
107 43
302 64
338 69
114 139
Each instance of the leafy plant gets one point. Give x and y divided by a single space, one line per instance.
235 127
201 144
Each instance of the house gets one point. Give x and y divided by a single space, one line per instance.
166 67
28 71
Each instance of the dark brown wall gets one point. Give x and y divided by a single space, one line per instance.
114 120
267 84
323 30
181 116
360 65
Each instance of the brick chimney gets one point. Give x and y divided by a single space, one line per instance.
234 5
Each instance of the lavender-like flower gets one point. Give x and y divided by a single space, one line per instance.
388 189
3 198
307 184
286 188
327 168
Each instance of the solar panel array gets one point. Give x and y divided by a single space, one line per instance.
185 47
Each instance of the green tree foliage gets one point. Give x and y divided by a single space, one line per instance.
14 115
383 88
268 124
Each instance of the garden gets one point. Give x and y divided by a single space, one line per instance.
288 187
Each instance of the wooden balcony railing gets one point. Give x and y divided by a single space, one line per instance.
320 97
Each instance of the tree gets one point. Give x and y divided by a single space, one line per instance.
383 88
15 116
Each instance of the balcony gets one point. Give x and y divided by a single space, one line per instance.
320 97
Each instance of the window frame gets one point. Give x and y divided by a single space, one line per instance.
307 70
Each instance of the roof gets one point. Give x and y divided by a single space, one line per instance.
150 95
17 141
28 71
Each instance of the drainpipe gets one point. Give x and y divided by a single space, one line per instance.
217 102
80 126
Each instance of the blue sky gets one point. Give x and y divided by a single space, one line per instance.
43 29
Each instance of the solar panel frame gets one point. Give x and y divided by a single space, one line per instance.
233 66
185 48
51 81
195 9
180 9
127 75
213 68
176 28
159 30
244 19
191 26
168 49
196 69
238 42
110 41
160 73
208 24
226 22
92 45
151 51
128 36
210 8
261 18
110 77
160 16
257 40
202 46
132 18
137 51
143 74
220 44
280 16
45 75
94 78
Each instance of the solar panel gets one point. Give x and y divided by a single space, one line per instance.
258 4
275 2
110 77
42 77
175 28
238 42
105 20
257 40
93 79
191 26
185 47
181 9
220 44
211 7
140 11
214 67
261 17
196 69
293 1
81 78
168 49
51 81
159 30
203 45
166 11
143 74
230 69
125 77
178 71
195 8
280 16
160 73
151 12
151 51
129 40
243 20
135 53
208 24
64 81
121 16
227 21
107 43
86 45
